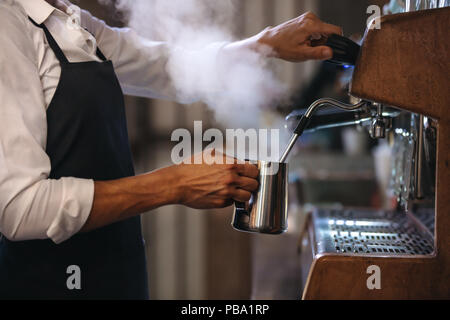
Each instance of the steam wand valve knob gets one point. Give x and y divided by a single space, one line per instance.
345 50
378 129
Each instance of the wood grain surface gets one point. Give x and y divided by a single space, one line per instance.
405 64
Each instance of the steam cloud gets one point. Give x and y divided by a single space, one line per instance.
236 87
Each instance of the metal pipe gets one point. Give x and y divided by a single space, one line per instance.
309 113
289 147
419 160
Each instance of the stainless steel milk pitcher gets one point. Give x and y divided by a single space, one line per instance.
266 211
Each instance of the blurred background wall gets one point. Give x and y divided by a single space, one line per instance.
196 254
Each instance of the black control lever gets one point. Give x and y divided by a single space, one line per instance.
345 50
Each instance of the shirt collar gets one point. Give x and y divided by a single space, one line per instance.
38 10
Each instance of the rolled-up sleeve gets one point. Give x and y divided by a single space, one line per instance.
31 205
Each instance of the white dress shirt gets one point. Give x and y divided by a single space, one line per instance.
31 205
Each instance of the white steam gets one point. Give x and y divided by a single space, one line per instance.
236 86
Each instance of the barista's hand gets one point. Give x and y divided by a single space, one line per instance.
205 186
291 40
200 186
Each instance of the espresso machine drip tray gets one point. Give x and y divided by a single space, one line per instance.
370 232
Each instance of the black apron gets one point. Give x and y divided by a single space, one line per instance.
87 138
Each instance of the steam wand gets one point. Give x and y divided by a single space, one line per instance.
304 121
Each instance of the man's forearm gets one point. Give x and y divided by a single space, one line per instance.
199 186
120 199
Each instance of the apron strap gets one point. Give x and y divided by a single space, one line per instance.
52 43
55 47
101 55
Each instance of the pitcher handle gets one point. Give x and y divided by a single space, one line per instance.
243 205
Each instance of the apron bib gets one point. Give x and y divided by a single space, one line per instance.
87 138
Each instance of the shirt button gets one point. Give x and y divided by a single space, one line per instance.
74 14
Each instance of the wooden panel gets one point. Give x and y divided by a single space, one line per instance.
406 63
442 232
342 277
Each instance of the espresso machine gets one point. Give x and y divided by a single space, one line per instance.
400 92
